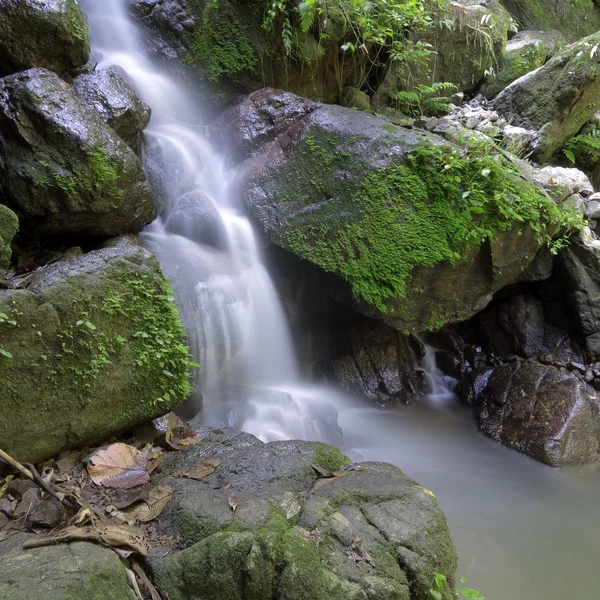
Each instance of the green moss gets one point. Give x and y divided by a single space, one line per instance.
329 457
76 22
438 206
9 226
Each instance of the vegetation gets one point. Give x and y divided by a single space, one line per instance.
584 149
440 582
424 100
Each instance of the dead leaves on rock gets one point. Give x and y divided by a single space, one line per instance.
147 509
202 469
177 436
118 466
358 554
233 501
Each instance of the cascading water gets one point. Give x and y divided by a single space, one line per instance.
534 531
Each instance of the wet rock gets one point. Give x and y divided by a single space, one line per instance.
592 210
561 182
516 139
62 169
88 344
38 512
541 267
112 98
557 99
369 532
9 226
77 570
524 53
304 189
42 33
538 410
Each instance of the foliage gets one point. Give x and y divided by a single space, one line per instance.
439 583
584 149
425 100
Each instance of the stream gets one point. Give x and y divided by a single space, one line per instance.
533 531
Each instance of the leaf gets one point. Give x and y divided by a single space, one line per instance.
321 472
118 466
325 480
358 553
486 172
5 353
125 498
202 469
472 594
341 519
233 500
147 511
570 155
435 595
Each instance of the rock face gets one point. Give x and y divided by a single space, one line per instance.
9 225
556 99
541 411
62 169
77 570
573 19
115 102
93 346
369 532
524 53
42 33
343 189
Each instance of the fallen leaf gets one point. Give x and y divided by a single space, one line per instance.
118 466
67 461
321 472
125 498
147 511
233 500
202 469
341 519
5 485
358 553
325 480
145 581
313 536
133 584
426 490
192 441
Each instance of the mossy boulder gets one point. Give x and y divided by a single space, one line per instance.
467 39
9 226
369 532
225 45
399 223
574 19
524 53
42 33
62 169
114 100
557 99
63 572
92 346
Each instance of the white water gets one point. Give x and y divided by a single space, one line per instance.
534 531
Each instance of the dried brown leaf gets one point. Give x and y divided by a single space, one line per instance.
321 472
150 509
145 582
325 480
358 553
191 441
125 498
233 500
202 469
118 466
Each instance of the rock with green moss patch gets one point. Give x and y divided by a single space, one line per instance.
75 571
368 532
558 98
62 169
92 346
42 33
399 223
523 54
574 19
9 226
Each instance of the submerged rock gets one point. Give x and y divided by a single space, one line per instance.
9 226
367 203
557 99
93 346
62 169
368 532
539 410
112 98
80 570
42 33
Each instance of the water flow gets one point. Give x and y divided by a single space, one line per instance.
248 376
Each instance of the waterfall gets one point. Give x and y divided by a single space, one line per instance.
237 330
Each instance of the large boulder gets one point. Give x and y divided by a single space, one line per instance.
9 225
467 38
77 570
62 169
384 212
557 99
42 33
114 100
368 532
542 411
573 19
92 346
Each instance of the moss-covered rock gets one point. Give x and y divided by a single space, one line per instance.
62 572
556 99
9 226
574 19
62 169
409 228
524 53
467 39
42 33
93 346
114 100
370 532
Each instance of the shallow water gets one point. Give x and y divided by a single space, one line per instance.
534 532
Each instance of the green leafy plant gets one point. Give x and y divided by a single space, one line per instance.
424 100
440 582
584 149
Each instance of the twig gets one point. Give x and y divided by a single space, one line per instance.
18 466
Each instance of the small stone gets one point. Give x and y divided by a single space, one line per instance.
592 210
457 98
576 366
589 375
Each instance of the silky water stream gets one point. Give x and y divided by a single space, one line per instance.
534 532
